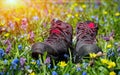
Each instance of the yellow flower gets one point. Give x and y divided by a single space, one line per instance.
49 11
109 46
75 4
62 63
33 63
76 15
16 19
104 61
105 12
33 73
28 36
69 15
83 6
7 34
2 24
112 73
111 64
117 14
92 55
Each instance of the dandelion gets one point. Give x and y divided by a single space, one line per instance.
16 19
104 61
117 14
105 12
111 64
7 34
76 15
33 73
93 55
54 73
109 46
20 47
83 6
112 73
62 64
69 15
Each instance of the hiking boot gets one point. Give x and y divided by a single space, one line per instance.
58 43
86 40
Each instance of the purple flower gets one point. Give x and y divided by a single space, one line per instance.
24 23
8 48
35 18
31 35
1 53
11 24
112 34
20 47
7 42
22 61
106 38
54 73
84 73
47 61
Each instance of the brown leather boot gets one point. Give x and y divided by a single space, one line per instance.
86 40
58 43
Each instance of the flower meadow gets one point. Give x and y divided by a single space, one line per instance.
24 22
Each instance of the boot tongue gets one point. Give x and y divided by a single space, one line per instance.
55 31
91 25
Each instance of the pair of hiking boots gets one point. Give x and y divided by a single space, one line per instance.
59 41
